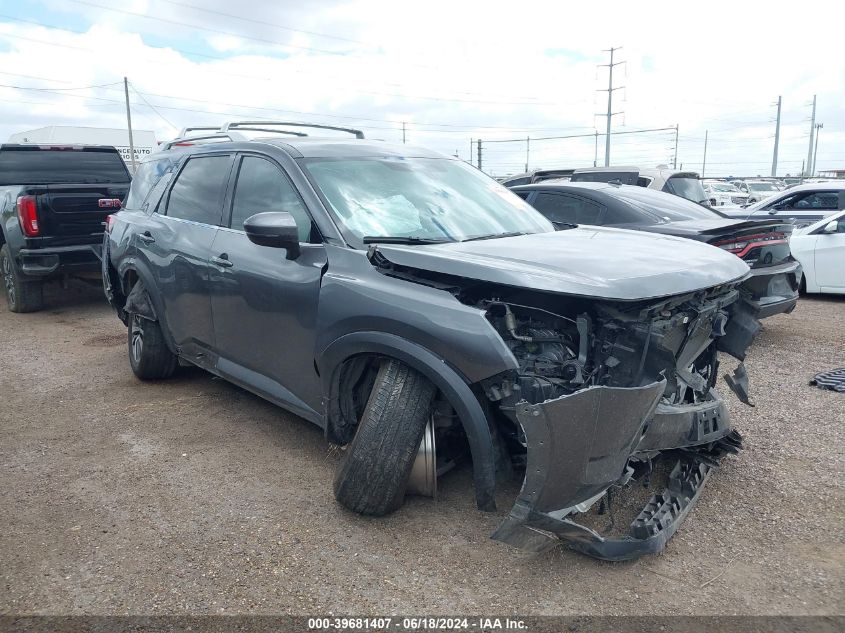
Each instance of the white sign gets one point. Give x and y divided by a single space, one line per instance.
140 152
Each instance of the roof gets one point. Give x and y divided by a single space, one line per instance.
643 171
816 186
315 147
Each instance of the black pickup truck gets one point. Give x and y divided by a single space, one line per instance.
53 202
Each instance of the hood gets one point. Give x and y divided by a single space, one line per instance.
587 261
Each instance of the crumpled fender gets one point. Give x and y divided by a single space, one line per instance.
578 445
139 302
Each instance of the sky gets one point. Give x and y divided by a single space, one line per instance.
451 71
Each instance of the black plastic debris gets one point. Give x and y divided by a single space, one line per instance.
833 380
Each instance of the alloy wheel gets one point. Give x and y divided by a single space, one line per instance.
137 340
9 281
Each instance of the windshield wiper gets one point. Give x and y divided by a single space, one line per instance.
564 225
390 239
494 236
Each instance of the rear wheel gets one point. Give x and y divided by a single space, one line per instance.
149 356
22 296
374 473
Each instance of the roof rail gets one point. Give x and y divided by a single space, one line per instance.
232 131
205 128
251 125
191 140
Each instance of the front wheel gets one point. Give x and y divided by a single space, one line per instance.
373 475
149 356
22 296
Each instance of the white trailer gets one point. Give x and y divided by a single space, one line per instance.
144 140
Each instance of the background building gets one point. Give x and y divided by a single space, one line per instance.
143 140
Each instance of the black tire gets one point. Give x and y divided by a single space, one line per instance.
22 296
149 356
372 477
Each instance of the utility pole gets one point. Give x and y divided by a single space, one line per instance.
403 132
479 154
527 151
704 162
816 151
777 142
809 163
610 112
129 124
596 155
675 159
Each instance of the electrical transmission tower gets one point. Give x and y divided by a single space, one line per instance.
609 90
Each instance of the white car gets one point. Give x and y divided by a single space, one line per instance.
801 205
820 248
757 190
724 194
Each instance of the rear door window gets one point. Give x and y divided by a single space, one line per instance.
559 207
197 194
146 177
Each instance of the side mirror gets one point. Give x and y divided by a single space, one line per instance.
831 227
276 229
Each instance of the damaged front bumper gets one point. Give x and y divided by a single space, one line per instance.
580 445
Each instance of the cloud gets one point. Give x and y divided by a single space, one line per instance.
451 71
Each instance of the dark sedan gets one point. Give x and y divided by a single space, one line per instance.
762 244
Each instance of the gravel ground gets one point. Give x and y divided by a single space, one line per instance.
193 496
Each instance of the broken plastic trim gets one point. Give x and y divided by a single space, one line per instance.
651 530
578 445
738 382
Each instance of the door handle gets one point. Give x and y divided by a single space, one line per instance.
146 238
222 261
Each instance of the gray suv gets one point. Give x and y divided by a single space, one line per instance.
421 314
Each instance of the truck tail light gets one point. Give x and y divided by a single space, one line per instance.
28 216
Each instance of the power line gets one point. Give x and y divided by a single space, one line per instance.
552 138
33 77
421 126
151 107
532 102
114 83
264 23
204 28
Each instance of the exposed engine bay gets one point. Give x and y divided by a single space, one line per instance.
606 394
615 345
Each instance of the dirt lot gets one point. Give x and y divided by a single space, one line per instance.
193 496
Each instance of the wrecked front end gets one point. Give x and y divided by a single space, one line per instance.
612 400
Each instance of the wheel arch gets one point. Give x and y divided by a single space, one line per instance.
144 299
451 384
